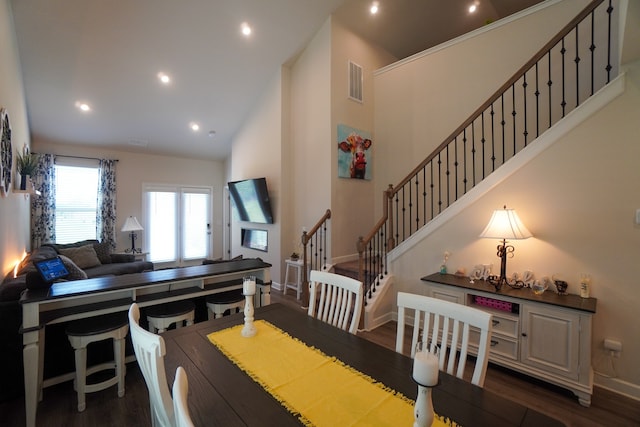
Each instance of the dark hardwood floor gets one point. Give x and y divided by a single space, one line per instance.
104 408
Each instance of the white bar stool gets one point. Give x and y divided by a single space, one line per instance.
161 316
298 266
218 304
81 334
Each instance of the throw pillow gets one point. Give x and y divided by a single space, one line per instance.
103 250
75 272
84 256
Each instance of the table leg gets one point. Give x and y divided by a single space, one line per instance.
32 374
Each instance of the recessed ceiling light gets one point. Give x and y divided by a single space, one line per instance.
212 134
194 126
375 6
246 29
164 78
473 8
83 106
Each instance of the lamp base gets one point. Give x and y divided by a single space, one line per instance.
497 281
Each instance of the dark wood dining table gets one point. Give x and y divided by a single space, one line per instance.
221 394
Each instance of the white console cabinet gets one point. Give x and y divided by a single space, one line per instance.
545 336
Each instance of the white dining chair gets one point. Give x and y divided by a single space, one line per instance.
335 299
446 326
180 407
150 350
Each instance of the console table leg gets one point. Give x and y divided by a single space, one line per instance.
30 355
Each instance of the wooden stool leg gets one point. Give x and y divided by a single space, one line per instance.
81 376
286 279
118 357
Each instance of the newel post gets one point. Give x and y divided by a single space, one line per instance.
305 276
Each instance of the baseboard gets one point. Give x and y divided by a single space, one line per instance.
618 386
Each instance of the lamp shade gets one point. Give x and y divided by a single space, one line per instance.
132 224
505 224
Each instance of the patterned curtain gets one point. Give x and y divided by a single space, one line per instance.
106 212
43 207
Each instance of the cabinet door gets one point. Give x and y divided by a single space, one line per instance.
551 340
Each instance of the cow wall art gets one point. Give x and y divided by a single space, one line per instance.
354 156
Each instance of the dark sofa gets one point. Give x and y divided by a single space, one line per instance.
59 356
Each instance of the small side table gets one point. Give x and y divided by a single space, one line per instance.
297 265
139 256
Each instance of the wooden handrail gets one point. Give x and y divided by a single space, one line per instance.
516 76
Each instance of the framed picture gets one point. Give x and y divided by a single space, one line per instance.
354 153
6 153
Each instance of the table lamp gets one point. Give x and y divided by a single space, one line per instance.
505 225
132 225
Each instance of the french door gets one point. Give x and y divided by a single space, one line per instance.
178 223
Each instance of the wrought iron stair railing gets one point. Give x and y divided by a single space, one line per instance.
314 251
570 68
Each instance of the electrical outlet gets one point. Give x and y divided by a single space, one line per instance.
613 345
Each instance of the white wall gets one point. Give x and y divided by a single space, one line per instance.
352 200
256 153
422 99
310 124
578 198
134 169
14 208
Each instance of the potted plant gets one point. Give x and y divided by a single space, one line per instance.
27 164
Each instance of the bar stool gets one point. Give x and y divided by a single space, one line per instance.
217 304
297 265
81 334
161 316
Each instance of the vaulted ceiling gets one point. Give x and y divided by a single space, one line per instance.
109 53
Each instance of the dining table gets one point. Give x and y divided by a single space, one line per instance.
220 393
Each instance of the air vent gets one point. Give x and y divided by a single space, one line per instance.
139 142
355 81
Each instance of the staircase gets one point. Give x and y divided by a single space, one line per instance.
532 106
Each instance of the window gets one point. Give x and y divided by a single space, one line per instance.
76 202
178 223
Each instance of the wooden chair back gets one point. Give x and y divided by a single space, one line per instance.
335 299
150 350
180 391
446 327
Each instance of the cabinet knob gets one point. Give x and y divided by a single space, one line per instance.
494 343
495 322
524 334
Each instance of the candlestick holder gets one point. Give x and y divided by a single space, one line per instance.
423 410
425 374
248 290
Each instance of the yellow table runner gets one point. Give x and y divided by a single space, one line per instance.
320 389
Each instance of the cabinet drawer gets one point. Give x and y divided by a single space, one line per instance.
504 325
497 345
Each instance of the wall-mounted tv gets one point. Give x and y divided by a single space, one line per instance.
255 239
251 200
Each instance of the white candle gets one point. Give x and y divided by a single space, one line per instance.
249 287
425 368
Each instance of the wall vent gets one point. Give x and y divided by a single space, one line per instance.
355 81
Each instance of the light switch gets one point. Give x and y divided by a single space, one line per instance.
637 216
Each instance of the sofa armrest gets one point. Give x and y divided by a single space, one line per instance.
116 258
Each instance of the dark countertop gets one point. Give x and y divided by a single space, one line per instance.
549 297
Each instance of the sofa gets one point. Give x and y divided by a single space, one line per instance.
84 259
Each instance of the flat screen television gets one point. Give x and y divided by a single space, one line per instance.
255 239
251 200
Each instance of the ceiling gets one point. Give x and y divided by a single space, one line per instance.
108 54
